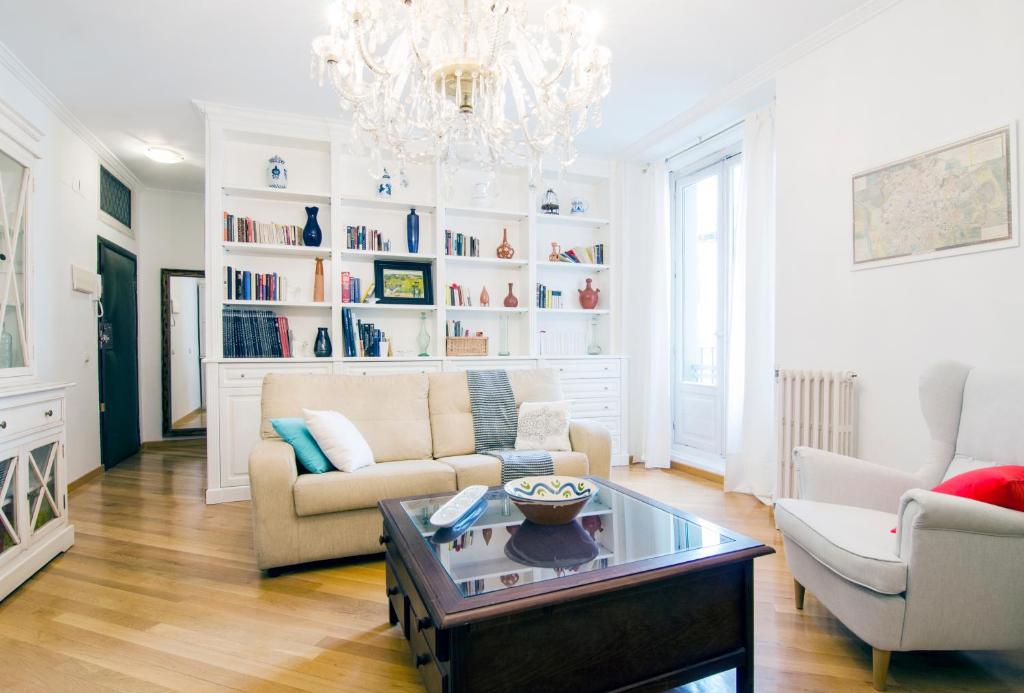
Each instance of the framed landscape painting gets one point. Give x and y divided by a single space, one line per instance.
403 282
956 199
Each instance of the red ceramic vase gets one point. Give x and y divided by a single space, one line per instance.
589 296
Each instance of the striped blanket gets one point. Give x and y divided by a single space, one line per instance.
495 423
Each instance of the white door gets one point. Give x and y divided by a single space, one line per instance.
703 213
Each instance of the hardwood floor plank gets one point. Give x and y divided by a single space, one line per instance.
160 593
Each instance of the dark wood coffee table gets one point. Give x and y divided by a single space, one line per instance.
634 594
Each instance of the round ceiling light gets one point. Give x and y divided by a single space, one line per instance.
164 155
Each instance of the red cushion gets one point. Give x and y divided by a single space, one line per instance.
1002 486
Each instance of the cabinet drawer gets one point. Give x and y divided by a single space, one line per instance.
469 364
612 423
30 417
392 368
586 368
249 375
592 387
593 407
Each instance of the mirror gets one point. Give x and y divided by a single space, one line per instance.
182 300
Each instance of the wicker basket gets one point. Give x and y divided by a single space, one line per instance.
467 346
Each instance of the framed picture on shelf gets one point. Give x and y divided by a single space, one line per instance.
409 283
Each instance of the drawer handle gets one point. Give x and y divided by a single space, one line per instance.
392 591
423 623
241 375
422 660
3 424
49 412
384 539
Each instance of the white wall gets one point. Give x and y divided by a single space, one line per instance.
172 238
65 224
921 74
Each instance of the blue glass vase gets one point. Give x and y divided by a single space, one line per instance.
322 346
412 231
311 235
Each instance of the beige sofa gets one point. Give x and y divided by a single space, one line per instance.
420 428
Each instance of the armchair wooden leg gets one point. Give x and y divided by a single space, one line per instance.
798 594
880 667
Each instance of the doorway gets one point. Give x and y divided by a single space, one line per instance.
183 326
118 332
705 209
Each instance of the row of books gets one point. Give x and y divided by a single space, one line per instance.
461 245
588 254
256 334
549 298
455 328
362 339
351 289
248 230
243 285
459 295
358 238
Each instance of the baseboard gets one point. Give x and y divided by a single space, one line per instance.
229 494
697 471
85 479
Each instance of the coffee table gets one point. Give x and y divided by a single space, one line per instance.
632 594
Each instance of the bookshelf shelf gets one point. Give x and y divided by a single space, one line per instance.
572 266
287 195
485 309
388 203
276 250
382 255
574 311
569 220
399 307
483 213
277 304
485 261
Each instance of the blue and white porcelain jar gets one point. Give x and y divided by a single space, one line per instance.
384 188
277 173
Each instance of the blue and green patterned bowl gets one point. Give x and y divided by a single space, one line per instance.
550 500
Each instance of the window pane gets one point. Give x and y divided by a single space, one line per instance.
700 282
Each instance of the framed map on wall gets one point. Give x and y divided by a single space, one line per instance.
956 199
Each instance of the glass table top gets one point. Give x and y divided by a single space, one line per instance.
501 549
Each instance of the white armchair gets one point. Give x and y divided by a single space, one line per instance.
950 578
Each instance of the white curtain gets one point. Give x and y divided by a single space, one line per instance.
652 291
750 464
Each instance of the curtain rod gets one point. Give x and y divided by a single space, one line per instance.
705 138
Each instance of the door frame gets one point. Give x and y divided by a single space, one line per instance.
165 352
101 245
722 161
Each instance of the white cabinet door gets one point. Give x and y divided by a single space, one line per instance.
45 488
240 417
11 510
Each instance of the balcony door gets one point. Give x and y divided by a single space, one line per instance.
704 210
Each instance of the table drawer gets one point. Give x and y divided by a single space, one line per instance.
397 598
422 626
30 417
592 387
253 374
588 408
586 368
392 368
435 678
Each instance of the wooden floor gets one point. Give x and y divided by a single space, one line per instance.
159 592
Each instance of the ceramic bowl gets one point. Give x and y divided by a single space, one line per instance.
550 500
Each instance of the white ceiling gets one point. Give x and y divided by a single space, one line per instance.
129 70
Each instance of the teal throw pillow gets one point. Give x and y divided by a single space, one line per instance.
307 452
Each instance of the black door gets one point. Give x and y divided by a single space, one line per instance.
119 358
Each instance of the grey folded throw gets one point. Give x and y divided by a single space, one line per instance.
495 424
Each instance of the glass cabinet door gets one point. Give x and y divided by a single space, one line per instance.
15 190
43 504
9 537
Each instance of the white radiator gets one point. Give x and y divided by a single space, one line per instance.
815 409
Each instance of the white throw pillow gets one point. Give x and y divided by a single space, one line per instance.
543 426
339 439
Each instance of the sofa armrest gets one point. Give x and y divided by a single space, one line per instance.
831 478
921 509
594 440
272 474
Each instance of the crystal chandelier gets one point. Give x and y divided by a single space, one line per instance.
466 82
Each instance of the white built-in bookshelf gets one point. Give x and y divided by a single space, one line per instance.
323 172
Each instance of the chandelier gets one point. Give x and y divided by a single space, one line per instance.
465 82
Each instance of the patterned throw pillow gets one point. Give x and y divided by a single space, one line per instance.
543 426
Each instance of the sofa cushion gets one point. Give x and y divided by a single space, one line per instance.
390 411
307 452
854 543
331 492
451 418
484 469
